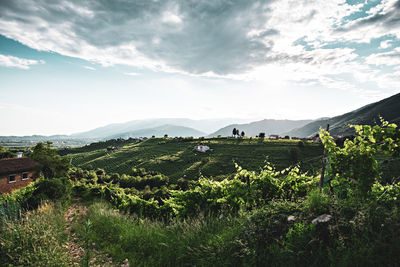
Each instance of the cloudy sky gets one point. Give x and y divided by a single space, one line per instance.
70 66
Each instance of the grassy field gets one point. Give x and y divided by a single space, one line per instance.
176 157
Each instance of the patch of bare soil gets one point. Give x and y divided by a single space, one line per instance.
76 214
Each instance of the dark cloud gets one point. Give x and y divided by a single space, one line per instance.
222 36
387 19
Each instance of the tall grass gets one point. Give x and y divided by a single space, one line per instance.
362 235
196 242
34 239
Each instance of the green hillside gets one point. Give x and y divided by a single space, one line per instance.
177 158
388 108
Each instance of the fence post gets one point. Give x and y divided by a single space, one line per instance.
321 181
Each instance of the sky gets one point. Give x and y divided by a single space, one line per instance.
71 66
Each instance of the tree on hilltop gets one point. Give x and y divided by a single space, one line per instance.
51 164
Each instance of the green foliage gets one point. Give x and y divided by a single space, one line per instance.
4 153
194 242
51 164
316 202
301 144
86 258
252 218
35 239
176 158
141 182
295 184
19 195
293 154
358 234
149 196
10 210
298 239
57 189
354 167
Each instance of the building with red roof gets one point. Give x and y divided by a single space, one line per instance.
16 173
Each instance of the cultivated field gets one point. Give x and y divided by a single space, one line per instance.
176 157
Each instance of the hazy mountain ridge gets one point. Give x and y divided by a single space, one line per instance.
170 130
268 126
388 109
115 129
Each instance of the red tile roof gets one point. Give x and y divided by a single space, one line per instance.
16 165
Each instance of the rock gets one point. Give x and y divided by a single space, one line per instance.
125 263
322 219
291 218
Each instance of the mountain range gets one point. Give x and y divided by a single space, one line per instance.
388 109
170 130
149 127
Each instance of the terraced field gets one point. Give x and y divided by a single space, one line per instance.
177 158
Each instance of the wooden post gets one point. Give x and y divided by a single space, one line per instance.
321 181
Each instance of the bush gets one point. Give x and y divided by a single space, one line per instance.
50 189
353 168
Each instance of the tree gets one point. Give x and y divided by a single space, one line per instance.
50 163
242 134
234 132
165 135
261 135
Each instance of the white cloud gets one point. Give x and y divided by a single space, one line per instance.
16 62
390 58
89 68
382 20
217 39
385 44
172 16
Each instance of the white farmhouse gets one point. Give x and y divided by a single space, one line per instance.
202 148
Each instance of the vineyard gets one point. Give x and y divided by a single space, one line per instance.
176 157
279 217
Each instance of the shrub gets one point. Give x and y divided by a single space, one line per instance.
353 168
50 189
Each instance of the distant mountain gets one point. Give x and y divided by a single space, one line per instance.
267 126
207 126
171 130
388 108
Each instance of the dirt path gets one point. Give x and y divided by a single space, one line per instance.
77 214
74 249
